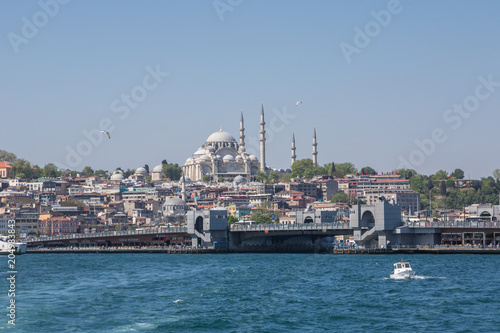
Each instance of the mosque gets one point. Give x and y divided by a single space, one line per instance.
221 156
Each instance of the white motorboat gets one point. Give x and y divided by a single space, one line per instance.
402 270
6 246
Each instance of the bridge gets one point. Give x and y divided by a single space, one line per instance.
171 234
265 234
276 234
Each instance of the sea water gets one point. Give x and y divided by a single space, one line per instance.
251 293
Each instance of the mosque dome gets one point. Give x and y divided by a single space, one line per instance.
200 151
238 158
174 206
253 158
189 160
228 158
141 171
218 157
186 179
203 158
221 136
158 168
117 176
239 179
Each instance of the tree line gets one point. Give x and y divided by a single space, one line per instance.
23 169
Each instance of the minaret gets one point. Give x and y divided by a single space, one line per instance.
183 188
293 149
262 141
242 131
315 149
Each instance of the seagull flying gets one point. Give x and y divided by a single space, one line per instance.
107 133
297 104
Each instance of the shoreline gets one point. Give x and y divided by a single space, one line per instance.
273 250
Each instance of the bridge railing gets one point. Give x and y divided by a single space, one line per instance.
469 224
110 233
294 226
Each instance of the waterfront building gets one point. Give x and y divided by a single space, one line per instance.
58 225
484 211
406 198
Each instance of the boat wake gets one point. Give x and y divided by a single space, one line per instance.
178 301
421 277
416 277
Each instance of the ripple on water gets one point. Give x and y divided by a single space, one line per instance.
253 292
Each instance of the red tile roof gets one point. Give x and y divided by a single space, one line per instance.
5 165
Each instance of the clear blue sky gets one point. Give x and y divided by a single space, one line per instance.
66 77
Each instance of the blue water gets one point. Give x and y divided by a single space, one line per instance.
252 293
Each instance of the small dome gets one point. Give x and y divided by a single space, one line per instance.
281 170
118 171
221 136
218 157
141 170
238 158
253 158
200 151
210 148
228 158
203 158
158 168
289 170
117 176
174 206
173 201
186 178
239 179
189 160
242 149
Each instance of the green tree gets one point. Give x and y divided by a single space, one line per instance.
368 171
206 179
261 176
340 197
221 179
36 172
287 177
496 174
346 168
359 201
274 176
232 219
101 173
442 188
172 171
88 171
128 173
450 183
261 216
23 167
440 175
458 174
50 171
8 157
305 168
421 184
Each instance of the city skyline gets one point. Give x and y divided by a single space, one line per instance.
381 88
